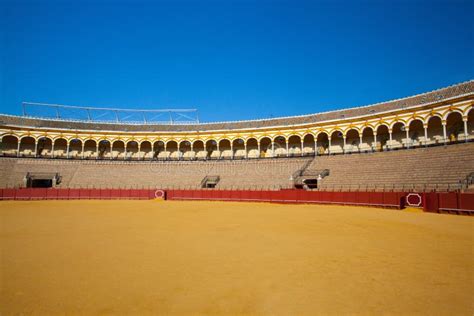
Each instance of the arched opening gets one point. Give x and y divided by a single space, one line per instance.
118 149
45 147
199 150
225 150
367 139
90 149
279 147
132 150
383 138
212 150
75 148
322 141
146 151
9 145
308 144
398 135
337 142
60 148
470 124
252 148
435 130
239 148
417 133
454 127
159 151
352 141
185 150
27 147
266 147
172 149
295 146
104 149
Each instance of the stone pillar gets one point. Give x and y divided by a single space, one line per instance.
444 132
466 132
273 148
52 149
390 137
407 131
287 148
245 148
302 147
36 148
315 146
97 151
374 147
425 127
18 148
344 144
82 153
67 150
329 145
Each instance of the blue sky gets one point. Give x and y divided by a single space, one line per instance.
231 59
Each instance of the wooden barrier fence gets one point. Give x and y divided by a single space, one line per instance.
458 203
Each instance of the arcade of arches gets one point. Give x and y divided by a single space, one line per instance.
434 130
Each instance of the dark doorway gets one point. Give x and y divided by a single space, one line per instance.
42 183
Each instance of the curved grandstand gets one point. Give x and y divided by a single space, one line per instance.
355 148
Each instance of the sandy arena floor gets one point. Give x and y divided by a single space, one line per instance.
222 258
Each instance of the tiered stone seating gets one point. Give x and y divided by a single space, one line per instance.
255 174
421 168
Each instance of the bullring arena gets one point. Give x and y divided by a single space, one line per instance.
356 211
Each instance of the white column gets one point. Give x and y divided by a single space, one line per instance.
125 151
83 143
344 146
111 152
375 142
97 151
360 141
231 150
18 148
444 132
36 148
287 148
273 148
302 147
139 150
67 149
425 127
219 149
329 145
315 146
407 132
52 149
390 138
466 132
258 148
245 148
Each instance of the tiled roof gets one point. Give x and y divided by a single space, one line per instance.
420 99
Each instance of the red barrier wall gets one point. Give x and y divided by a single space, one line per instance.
432 202
74 194
381 199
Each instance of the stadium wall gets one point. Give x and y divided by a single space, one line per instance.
456 203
